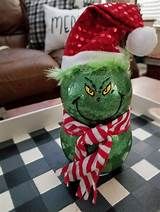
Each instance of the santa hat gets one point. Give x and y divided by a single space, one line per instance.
101 30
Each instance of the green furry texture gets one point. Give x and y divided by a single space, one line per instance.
112 65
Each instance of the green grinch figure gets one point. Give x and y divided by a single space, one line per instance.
93 94
96 92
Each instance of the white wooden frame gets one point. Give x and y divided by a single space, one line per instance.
18 126
50 117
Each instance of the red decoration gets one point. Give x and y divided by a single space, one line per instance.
102 27
87 168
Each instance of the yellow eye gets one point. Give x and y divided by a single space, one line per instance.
89 90
107 89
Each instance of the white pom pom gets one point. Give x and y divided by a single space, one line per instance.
142 41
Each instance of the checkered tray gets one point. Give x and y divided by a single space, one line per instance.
28 180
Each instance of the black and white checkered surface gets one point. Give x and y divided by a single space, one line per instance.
28 179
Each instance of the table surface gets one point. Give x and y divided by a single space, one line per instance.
28 180
146 87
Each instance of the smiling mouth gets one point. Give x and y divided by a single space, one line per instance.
76 104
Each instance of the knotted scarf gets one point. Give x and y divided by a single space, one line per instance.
87 168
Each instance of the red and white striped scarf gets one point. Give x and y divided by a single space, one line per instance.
87 168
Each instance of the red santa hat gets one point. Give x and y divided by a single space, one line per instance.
100 31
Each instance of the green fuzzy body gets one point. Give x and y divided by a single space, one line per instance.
97 93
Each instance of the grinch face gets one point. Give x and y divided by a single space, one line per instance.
96 95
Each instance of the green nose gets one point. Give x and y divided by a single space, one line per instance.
98 99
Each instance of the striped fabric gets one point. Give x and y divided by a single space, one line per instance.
87 168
